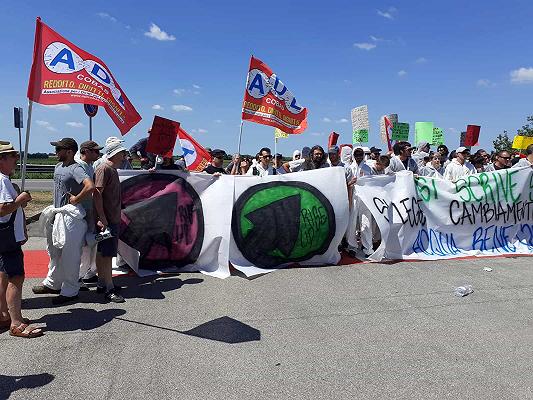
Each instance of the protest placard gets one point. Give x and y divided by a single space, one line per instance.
521 142
423 132
400 131
472 135
438 137
360 125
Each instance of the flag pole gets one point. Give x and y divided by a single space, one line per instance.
26 145
240 138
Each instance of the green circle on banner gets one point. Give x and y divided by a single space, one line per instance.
282 222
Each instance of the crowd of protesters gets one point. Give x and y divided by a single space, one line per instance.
82 224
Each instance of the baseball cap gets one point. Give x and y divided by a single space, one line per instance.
375 150
461 149
218 153
66 143
333 149
278 155
90 145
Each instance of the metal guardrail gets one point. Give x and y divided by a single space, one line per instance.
38 168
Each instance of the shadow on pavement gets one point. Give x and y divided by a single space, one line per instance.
10 384
74 319
151 287
223 329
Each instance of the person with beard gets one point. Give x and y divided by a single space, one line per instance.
317 159
71 186
402 160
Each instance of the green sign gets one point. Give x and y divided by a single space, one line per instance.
423 132
281 222
360 136
438 137
400 131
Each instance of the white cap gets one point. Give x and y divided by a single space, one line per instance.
113 148
461 149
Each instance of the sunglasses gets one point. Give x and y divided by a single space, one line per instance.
267 156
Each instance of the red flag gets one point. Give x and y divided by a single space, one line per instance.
196 157
162 137
332 140
472 135
63 73
267 101
388 131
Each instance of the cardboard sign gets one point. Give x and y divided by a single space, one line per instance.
360 118
162 137
400 131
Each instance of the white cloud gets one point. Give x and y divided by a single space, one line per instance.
199 130
453 130
421 60
196 86
364 46
62 107
105 15
317 134
46 125
341 121
179 92
347 81
157 34
485 83
75 124
402 73
157 107
326 119
218 121
181 107
389 13
522 75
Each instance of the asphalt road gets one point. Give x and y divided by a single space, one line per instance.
368 331
37 184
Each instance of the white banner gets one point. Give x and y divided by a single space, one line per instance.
187 220
176 219
280 220
428 218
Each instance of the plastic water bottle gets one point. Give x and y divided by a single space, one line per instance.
463 291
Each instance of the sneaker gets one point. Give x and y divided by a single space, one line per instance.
114 297
92 279
63 299
101 289
83 287
42 289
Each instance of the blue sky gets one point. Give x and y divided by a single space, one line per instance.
454 63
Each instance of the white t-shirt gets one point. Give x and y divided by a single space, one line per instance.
523 162
8 194
455 170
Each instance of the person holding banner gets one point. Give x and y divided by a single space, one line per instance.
402 160
457 168
71 186
528 161
263 167
278 164
433 168
503 160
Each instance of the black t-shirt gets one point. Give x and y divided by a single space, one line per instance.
211 169
171 167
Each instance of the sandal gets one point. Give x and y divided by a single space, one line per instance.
25 331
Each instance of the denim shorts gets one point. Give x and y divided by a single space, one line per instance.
12 263
109 247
